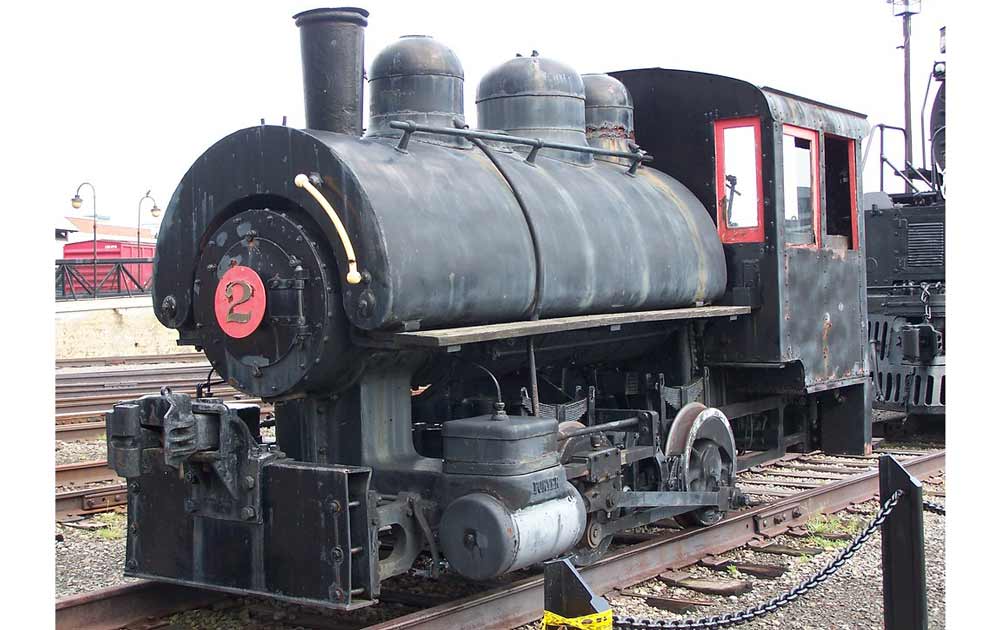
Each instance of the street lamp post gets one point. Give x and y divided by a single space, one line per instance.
77 204
155 211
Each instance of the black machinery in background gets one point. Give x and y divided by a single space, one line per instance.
490 347
906 263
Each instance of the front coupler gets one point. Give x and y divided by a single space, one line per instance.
212 507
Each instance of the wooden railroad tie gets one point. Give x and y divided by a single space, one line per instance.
673 604
723 587
766 571
783 550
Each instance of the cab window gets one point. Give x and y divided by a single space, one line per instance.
841 192
801 185
740 205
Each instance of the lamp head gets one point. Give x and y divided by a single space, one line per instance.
155 210
76 201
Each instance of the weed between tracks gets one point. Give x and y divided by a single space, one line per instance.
114 525
823 524
831 532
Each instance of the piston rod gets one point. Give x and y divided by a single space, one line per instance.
617 425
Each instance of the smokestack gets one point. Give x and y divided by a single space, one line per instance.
333 66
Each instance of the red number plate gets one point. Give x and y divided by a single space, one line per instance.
240 302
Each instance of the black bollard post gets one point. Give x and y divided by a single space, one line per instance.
904 585
569 602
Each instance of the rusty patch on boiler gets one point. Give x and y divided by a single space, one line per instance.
606 130
827 326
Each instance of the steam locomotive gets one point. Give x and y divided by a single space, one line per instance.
492 346
906 272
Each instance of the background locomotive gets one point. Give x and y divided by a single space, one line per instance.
906 271
497 346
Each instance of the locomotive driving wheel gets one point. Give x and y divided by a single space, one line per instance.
702 441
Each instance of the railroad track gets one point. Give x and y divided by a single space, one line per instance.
82 398
92 500
77 407
839 483
81 473
87 488
86 392
86 429
144 359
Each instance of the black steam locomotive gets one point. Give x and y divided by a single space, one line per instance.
906 273
497 345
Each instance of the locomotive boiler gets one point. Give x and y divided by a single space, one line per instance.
488 347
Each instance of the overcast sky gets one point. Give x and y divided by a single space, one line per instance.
136 91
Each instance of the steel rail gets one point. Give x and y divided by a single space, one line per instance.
84 472
81 374
135 390
141 389
140 359
117 606
97 405
131 378
97 381
79 431
90 500
90 425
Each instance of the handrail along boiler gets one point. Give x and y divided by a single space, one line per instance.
494 346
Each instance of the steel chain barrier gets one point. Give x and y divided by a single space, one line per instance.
749 614
925 296
934 508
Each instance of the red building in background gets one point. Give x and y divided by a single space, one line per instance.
115 243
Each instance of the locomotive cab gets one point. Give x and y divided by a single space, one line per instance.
780 172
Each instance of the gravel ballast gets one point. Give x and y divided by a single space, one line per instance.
89 559
72 452
851 599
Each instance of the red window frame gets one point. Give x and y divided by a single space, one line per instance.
753 234
813 136
852 182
